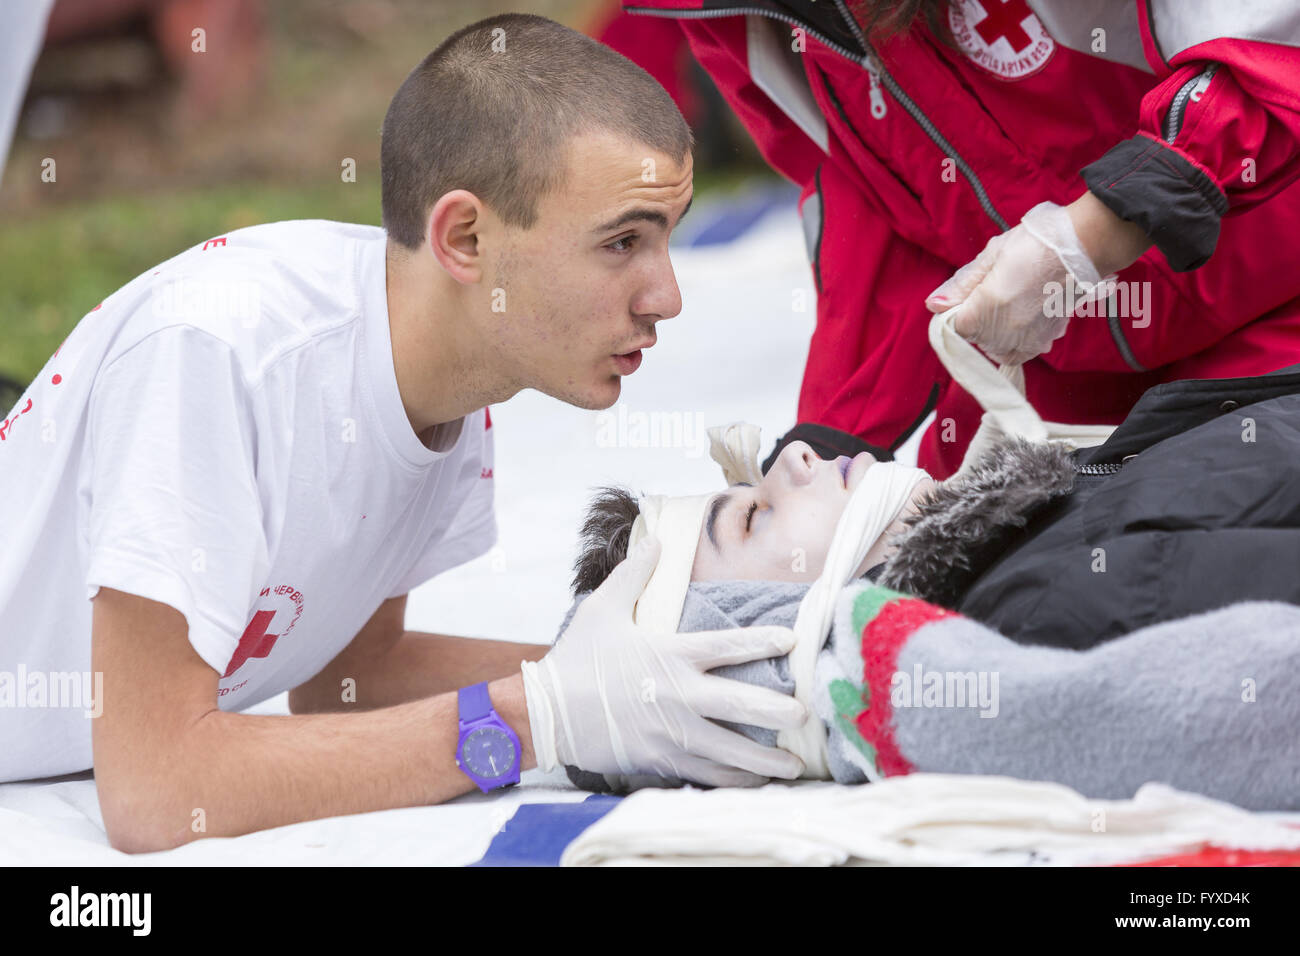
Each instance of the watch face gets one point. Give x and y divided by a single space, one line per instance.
488 753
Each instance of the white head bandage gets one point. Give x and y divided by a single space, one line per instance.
676 522
876 502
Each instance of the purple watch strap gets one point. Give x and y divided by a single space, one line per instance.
474 702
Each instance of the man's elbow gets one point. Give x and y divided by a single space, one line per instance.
137 821
150 802
132 839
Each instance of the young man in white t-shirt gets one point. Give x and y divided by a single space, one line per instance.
227 478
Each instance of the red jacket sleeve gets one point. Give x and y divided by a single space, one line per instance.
1217 135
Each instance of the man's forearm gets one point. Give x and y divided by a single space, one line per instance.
418 665
240 772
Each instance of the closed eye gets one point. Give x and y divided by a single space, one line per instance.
749 515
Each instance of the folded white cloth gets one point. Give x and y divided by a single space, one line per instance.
926 819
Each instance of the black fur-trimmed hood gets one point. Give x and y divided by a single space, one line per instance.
966 523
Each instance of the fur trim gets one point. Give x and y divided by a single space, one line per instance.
964 525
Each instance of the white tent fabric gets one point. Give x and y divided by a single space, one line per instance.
22 31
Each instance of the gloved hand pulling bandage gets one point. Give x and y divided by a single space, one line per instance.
1005 288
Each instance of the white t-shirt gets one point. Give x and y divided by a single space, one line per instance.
223 434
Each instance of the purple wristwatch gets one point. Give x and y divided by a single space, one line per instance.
488 750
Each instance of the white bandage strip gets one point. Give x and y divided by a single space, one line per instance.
1000 391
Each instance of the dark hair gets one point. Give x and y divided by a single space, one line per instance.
882 19
492 110
604 536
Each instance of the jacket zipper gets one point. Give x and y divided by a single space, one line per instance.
758 11
876 75
1105 468
915 111
1192 90
875 96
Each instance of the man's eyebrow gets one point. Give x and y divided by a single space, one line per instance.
641 214
715 509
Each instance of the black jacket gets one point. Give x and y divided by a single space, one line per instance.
1193 503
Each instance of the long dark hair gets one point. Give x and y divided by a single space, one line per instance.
881 19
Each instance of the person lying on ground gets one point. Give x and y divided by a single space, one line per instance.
1097 618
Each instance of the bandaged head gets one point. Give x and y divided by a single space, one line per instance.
676 521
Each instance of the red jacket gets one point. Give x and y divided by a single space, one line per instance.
1181 116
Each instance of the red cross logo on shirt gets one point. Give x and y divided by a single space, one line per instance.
256 642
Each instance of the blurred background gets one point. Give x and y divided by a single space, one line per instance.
157 146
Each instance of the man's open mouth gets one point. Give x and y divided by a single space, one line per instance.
628 363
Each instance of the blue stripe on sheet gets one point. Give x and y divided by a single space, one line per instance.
538 832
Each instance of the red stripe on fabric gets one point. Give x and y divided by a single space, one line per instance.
883 638
1225 856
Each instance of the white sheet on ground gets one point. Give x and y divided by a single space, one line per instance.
919 819
57 823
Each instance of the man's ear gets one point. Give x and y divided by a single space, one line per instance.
454 227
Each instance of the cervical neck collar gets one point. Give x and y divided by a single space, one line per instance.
876 503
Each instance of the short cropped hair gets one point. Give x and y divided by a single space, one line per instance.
492 110
604 536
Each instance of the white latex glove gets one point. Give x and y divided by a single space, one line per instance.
613 697
1005 286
